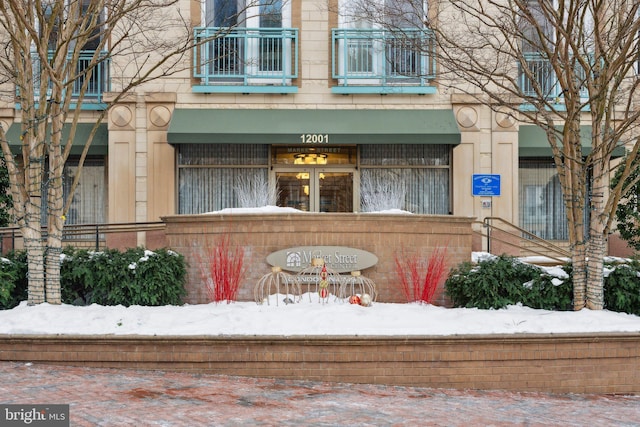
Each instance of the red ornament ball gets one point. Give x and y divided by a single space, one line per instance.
324 292
354 299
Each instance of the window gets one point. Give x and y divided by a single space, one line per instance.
248 40
99 75
537 32
538 27
89 200
226 53
49 26
423 172
542 210
383 43
208 174
271 48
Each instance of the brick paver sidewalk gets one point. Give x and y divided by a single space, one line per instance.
110 397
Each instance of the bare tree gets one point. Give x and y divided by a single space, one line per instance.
382 191
53 54
253 190
556 64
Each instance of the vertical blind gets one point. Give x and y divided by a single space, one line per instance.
424 169
208 173
88 205
542 210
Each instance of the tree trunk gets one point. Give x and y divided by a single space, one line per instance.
578 260
595 267
35 259
55 201
597 245
53 252
53 275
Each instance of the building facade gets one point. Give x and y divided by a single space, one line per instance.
328 111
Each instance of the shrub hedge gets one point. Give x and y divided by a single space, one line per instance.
110 277
501 281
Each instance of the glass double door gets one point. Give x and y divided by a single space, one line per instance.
316 189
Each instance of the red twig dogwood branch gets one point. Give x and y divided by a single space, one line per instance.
419 277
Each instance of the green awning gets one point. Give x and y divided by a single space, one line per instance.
99 145
533 142
265 126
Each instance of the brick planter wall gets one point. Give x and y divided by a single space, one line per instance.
384 235
565 363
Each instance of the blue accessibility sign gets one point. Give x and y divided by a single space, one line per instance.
486 184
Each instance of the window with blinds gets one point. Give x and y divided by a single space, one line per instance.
542 210
423 170
88 205
209 173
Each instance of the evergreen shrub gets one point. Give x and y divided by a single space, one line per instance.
622 288
502 281
110 277
13 279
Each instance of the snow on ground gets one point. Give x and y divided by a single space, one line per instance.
307 317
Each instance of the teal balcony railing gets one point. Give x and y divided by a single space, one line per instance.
544 79
99 80
245 60
378 60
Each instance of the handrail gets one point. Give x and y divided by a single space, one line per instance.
95 230
521 234
99 81
544 77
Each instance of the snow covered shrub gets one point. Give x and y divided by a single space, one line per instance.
492 283
13 279
500 281
420 277
381 190
551 291
628 209
7 281
133 277
253 190
622 288
159 277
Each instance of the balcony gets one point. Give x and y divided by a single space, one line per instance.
245 60
544 79
99 82
383 61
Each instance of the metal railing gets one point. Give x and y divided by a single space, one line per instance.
80 235
383 57
99 81
544 79
245 56
523 242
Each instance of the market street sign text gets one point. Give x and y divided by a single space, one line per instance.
341 259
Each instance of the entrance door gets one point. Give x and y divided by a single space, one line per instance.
316 189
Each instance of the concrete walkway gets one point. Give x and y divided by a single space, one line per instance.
110 397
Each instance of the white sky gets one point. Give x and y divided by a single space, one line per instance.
307 317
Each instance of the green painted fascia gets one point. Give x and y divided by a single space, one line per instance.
278 126
99 145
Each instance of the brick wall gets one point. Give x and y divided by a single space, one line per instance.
261 234
566 363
